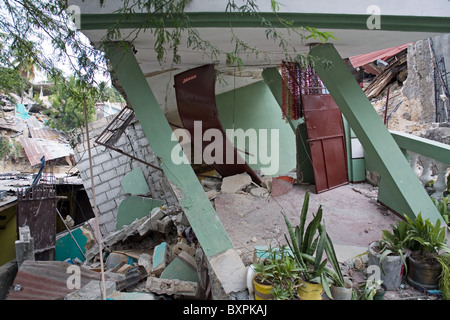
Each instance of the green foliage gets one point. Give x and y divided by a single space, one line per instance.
308 246
425 236
67 111
442 206
444 279
169 23
107 93
11 81
369 289
4 147
28 27
394 242
279 269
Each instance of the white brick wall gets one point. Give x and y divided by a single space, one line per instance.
109 168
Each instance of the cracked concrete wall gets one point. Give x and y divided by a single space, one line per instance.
419 85
109 168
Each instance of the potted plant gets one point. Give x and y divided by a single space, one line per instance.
444 279
389 254
276 275
372 290
442 206
426 241
308 246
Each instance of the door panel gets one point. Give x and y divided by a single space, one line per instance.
326 139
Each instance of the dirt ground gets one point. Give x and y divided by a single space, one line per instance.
352 216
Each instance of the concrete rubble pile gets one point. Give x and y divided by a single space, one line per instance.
158 255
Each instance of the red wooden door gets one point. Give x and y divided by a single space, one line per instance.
326 140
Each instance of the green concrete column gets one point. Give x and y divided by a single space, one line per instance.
202 217
400 189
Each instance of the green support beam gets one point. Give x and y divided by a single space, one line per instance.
298 19
399 185
202 217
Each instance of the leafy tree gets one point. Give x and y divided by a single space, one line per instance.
67 111
108 93
27 26
11 81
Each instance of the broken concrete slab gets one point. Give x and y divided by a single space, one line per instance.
115 237
134 183
233 184
117 295
164 225
145 260
135 207
181 246
92 291
211 194
162 220
229 267
151 223
259 192
211 183
172 287
115 259
159 259
183 267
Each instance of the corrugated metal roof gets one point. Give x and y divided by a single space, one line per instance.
383 54
35 148
47 280
38 129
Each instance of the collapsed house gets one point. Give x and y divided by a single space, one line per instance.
150 206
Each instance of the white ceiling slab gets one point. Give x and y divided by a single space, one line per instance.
349 42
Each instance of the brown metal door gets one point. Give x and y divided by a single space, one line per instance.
326 140
196 100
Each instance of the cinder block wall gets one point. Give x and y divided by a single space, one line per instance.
109 168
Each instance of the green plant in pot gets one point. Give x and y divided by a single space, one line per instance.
444 278
442 206
426 242
372 290
276 275
389 254
308 245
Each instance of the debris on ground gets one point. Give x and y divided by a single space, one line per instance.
154 257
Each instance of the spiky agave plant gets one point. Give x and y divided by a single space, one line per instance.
308 246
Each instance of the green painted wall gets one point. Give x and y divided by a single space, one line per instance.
66 247
254 107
